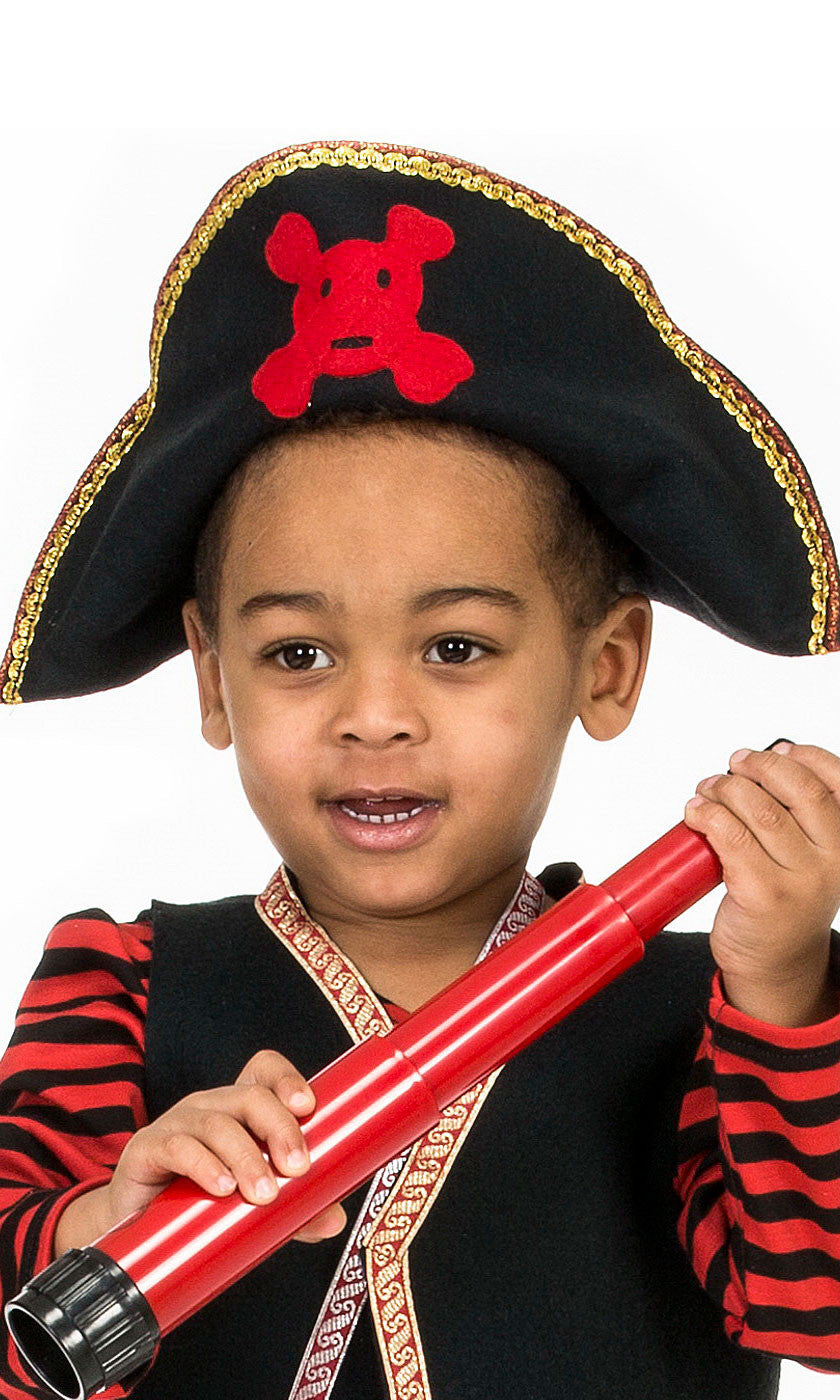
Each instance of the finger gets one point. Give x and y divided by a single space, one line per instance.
823 762
258 1108
243 1158
327 1223
743 859
768 822
272 1069
227 1134
800 785
274 1124
180 1154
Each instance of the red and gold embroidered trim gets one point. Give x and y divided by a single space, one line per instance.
789 473
355 1002
386 1245
432 1156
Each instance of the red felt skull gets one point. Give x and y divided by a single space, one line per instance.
364 293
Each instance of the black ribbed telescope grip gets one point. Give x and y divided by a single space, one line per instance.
83 1324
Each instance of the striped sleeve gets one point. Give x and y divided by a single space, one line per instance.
758 1174
71 1096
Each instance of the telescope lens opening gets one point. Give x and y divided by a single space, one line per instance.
44 1354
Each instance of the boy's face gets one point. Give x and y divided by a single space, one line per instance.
376 700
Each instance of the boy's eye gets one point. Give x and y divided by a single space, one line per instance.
455 649
298 656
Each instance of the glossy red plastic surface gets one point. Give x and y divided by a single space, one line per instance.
187 1246
665 879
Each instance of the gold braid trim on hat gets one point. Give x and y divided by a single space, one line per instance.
407 160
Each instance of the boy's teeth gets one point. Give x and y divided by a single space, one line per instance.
371 817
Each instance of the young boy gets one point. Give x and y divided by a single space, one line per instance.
342 490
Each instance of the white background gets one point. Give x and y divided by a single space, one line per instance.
702 142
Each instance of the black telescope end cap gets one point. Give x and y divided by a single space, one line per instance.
82 1324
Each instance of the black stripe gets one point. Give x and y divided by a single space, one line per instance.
701 1074
767 1147
14 1139
89 1122
74 1030
727 1258
123 1001
801 1113
34 1230
772 1207
804 1322
697 1139
775 1057
63 962
718 1274
795 1265
32 1081
703 1199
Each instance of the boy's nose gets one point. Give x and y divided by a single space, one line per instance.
376 707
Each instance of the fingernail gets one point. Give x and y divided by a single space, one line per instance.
296 1158
739 754
225 1183
264 1188
695 801
783 746
300 1099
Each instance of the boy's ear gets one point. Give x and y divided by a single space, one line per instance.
615 660
214 720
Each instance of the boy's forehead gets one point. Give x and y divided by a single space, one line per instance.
437 456
419 533
431 492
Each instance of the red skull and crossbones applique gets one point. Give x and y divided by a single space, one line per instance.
356 312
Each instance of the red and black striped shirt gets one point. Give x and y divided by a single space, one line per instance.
758 1141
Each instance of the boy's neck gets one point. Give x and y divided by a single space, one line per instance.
409 960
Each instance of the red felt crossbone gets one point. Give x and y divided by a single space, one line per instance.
359 290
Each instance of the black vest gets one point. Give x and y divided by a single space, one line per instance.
549 1264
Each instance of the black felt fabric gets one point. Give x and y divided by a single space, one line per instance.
565 361
549 1264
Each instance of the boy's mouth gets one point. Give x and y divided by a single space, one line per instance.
390 822
385 809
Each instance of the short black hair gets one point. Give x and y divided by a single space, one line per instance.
585 558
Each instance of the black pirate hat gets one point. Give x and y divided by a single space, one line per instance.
343 275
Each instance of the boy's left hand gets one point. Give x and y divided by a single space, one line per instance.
774 824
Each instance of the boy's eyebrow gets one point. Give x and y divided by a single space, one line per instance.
423 602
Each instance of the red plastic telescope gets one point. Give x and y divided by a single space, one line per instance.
96 1315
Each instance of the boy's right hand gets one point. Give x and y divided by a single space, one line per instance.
209 1135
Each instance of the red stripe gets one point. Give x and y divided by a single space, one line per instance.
803 1294
762 1178
791 1344
764 1117
795 1085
